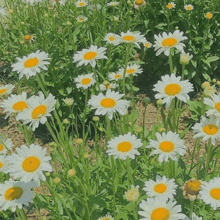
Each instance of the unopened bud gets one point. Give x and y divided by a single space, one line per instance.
66 121
159 102
139 129
214 80
205 84
71 172
146 100
68 101
161 129
47 173
79 141
218 83
68 23
57 180
95 118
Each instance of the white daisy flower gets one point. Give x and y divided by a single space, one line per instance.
168 145
139 3
166 41
158 209
124 146
3 12
29 163
189 7
6 89
194 217
4 163
210 192
112 4
89 56
171 87
207 128
95 7
115 76
32 2
14 194
38 110
214 102
162 188
81 3
31 65
81 18
61 2
171 5
108 86
132 69
109 103
147 44
106 217
15 103
84 81
132 37
5 145
112 38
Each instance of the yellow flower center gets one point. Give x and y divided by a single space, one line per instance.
2 147
169 42
147 44
160 188
111 38
90 55
13 193
210 129
105 218
172 89
2 91
108 86
27 37
217 106
124 146
128 38
193 187
20 106
166 146
30 164
209 15
81 19
117 76
86 81
81 4
160 214
32 62
1 164
169 6
139 2
215 193
130 71
39 111
188 7
108 103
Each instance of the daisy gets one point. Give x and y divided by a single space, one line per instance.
15 103
6 89
189 7
214 103
5 145
95 7
158 209
28 38
124 146
4 163
115 76
84 81
89 56
147 44
112 4
38 110
112 38
167 146
31 65
210 192
2 12
207 128
132 37
171 5
108 86
109 103
171 87
209 90
132 69
81 3
32 2
81 18
194 217
28 163
162 188
166 41
139 3
14 194
132 194
61 2
209 15
106 217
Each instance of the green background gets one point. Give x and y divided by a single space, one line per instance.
1 2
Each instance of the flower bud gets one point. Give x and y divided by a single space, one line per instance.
146 100
205 84
214 80
159 102
79 141
71 172
68 23
57 180
68 101
47 173
218 83
132 194
95 118
185 58
66 121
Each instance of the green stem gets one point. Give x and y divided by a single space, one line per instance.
84 116
171 62
191 209
143 122
126 63
183 69
22 214
52 132
209 153
108 127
